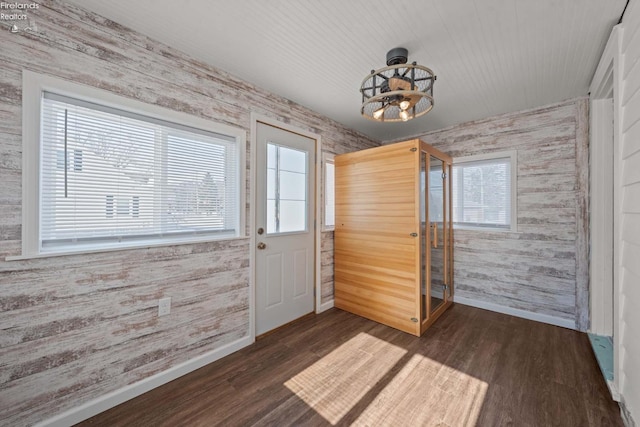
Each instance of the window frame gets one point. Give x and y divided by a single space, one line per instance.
512 155
327 158
33 86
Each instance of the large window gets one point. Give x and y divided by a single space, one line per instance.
110 178
484 191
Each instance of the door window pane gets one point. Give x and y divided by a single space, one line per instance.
287 184
271 216
292 215
293 160
292 186
271 184
271 156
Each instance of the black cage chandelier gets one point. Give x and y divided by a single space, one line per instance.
399 91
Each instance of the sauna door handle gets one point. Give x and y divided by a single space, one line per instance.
434 242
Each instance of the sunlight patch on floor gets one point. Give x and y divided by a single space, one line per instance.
389 387
431 394
336 383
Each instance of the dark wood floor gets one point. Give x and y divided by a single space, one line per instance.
471 368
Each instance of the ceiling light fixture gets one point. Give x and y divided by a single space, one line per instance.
399 91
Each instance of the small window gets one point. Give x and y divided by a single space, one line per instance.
484 191
329 192
150 179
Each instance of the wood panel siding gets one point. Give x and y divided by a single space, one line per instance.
629 239
542 268
326 273
75 328
472 368
377 261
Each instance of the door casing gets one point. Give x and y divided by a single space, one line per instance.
259 118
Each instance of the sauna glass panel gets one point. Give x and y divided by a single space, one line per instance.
448 235
423 237
436 232
287 183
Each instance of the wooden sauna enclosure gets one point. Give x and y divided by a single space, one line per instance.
393 253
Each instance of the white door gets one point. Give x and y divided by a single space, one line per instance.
285 213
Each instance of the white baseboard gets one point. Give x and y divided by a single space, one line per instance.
627 418
108 401
544 318
615 394
324 307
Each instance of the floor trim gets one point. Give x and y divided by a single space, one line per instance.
627 419
603 351
109 400
538 317
324 306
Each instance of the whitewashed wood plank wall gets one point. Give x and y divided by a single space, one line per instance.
74 328
543 267
628 243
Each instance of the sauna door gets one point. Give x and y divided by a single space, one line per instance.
436 242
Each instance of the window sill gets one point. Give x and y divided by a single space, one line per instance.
119 248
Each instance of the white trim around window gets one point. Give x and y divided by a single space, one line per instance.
511 158
34 87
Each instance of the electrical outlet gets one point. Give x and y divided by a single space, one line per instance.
164 306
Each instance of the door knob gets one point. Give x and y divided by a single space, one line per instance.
261 245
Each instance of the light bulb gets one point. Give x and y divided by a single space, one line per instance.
404 104
404 115
378 113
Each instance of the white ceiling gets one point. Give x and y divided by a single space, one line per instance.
490 56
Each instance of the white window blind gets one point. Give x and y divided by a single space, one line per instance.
110 177
482 192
